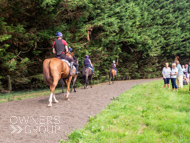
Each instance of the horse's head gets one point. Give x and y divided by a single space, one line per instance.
70 55
176 58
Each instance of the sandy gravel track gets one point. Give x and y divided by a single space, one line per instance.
31 121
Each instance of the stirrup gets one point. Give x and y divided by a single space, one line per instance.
77 72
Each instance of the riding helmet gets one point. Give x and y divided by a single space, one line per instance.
59 34
87 56
70 49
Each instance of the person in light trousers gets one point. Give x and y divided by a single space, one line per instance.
173 75
179 79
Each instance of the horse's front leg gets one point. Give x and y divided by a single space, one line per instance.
62 84
74 80
91 81
84 82
68 87
71 87
109 79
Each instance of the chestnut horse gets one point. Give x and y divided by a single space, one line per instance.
176 59
112 74
55 69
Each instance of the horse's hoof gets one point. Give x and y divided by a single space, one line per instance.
49 105
67 98
91 86
75 91
56 101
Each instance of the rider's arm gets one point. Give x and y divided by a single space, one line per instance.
90 63
54 51
66 48
65 43
54 48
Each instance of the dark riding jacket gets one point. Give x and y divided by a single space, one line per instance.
113 66
59 47
87 62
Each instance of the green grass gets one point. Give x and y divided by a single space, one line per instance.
147 113
19 95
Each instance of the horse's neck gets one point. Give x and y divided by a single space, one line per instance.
176 58
69 55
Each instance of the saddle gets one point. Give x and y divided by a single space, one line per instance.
89 68
67 62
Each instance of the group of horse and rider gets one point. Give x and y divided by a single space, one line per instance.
65 67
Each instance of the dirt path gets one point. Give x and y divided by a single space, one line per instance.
31 121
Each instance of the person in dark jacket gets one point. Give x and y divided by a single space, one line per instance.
87 63
75 60
113 66
60 49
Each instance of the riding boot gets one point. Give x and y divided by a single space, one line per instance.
93 73
77 66
71 68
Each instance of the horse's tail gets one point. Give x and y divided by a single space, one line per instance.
46 71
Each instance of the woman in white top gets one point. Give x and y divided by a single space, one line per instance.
166 75
174 73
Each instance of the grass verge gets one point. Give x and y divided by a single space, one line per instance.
19 95
146 113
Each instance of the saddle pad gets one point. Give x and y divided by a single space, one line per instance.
67 62
90 68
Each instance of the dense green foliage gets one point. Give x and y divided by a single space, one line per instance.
146 113
142 35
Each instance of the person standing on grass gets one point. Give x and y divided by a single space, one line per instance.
183 69
179 79
187 78
166 75
173 74
186 69
185 81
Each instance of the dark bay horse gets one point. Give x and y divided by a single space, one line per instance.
112 74
87 73
53 70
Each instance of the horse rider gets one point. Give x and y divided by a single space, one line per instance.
87 63
75 59
60 49
113 66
